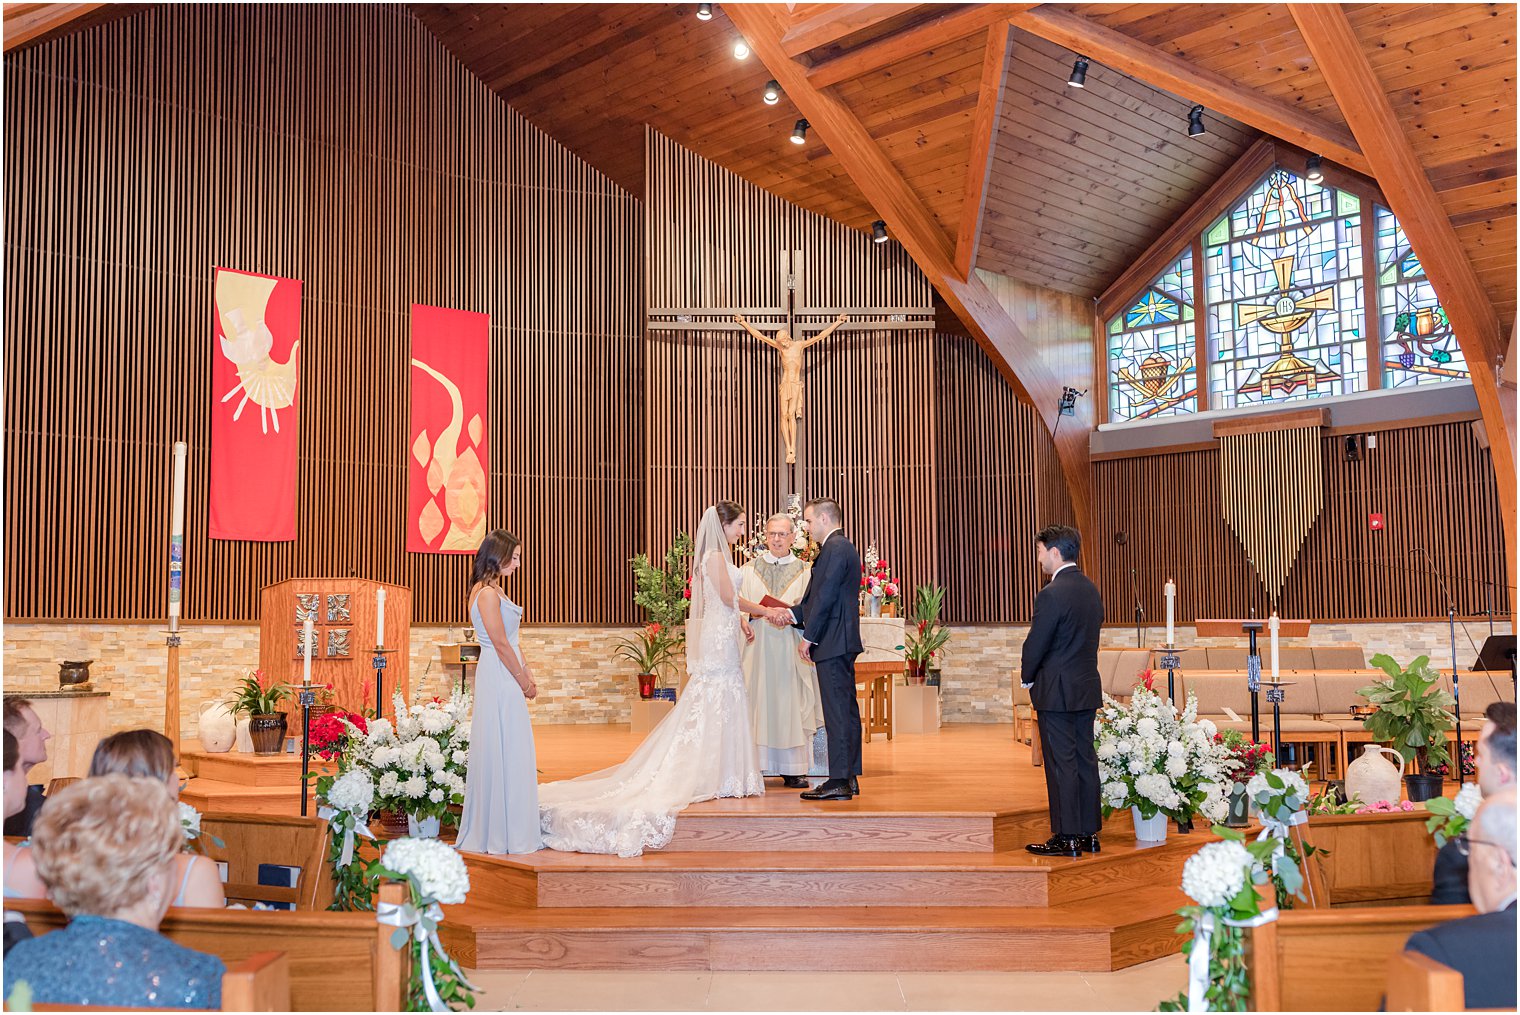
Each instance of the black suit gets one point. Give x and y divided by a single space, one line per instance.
1482 949
829 615
1450 878
1060 660
20 823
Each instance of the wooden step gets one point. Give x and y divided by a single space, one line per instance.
210 796
786 879
237 769
1092 935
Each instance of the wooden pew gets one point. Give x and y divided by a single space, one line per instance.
1332 959
1374 858
1417 982
338 961
251 839
258 983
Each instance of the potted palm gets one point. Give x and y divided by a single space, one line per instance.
260 702
926 636
1411 716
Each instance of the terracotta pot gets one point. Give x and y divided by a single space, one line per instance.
646 686
268 732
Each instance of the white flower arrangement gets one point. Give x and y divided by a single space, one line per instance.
1153 758
418 764
436 869
353 792
1216 873
1467 800
189 821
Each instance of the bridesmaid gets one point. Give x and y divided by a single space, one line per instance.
501 780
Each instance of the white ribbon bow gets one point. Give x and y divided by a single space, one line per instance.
424 930
358 827
1279 831
1199 955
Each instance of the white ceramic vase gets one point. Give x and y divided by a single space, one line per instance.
1372 777
244 738
422 828
1149 829
217 728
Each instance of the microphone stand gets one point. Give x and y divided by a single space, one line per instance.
1451 622
1134 588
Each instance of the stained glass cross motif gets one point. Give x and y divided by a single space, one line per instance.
1284 315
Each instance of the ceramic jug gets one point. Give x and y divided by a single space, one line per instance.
244 738
217 728
1371 777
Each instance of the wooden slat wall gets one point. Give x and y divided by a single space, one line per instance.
344 146
867 436
1433 484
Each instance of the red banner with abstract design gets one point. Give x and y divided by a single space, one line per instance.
254 408
448 450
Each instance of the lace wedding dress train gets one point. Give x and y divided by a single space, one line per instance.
702 750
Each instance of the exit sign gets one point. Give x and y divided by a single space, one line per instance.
1375 521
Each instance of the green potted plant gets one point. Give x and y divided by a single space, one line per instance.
926 636
650 650
1411 716
260 702
663 591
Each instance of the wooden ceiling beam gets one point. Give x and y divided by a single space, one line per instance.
25 22
838 22
1196 84
989 106
910 42
1369 113
912 225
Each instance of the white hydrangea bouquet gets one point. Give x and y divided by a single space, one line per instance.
1221 879
190 825
1159 762
418 764
1449 817
436 875
1282 796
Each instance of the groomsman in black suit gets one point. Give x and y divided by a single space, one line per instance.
829 615
1060 669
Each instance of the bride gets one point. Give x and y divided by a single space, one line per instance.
703 749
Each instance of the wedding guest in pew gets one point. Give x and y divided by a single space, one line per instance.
1482 947
142 754
22 723
15 801
106 848
1496 769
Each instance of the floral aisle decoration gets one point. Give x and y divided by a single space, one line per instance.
1221 879
1451 816
1246 759
190 825
418 764
436 876
346 800
1157 761
1282 797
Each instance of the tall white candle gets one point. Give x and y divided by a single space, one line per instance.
177 537
379 618
1171 613
306 652
1273 625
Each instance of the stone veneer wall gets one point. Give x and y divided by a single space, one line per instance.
579 680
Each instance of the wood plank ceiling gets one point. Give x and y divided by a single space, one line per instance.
1080 181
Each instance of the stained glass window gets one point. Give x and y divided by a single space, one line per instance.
1150 349
1283 280
1417 342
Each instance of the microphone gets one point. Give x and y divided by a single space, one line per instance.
1134 588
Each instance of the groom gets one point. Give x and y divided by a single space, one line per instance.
829 615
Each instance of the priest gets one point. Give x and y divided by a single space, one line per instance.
785 707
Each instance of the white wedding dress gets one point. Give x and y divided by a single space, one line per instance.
703 749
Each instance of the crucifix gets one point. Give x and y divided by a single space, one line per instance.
791 352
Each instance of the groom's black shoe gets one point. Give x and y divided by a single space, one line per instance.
831 789
1058 845
854 786
1089 843
794 782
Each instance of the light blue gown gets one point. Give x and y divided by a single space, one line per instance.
501 780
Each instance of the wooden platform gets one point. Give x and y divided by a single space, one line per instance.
924 871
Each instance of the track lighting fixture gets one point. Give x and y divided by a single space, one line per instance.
772 92
1312 172
1195 122
1069 395
878 231
799 132
1078 77
741 50
704 12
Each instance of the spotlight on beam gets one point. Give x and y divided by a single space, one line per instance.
741 50
704 12
772 92
878 231
1195 122
1068 403
1078 77
1313 171
799 132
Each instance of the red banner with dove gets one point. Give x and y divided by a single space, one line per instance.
255 410
448 466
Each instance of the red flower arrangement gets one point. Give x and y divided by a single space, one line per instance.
1253 757
329 734
1148 678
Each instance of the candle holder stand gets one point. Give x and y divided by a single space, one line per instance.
377 660
1172 662
307 697
171 688
1275 696
1253 677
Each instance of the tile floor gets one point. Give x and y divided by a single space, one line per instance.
1138 988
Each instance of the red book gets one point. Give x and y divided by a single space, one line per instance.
771 602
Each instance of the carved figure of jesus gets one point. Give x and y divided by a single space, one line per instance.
791 352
